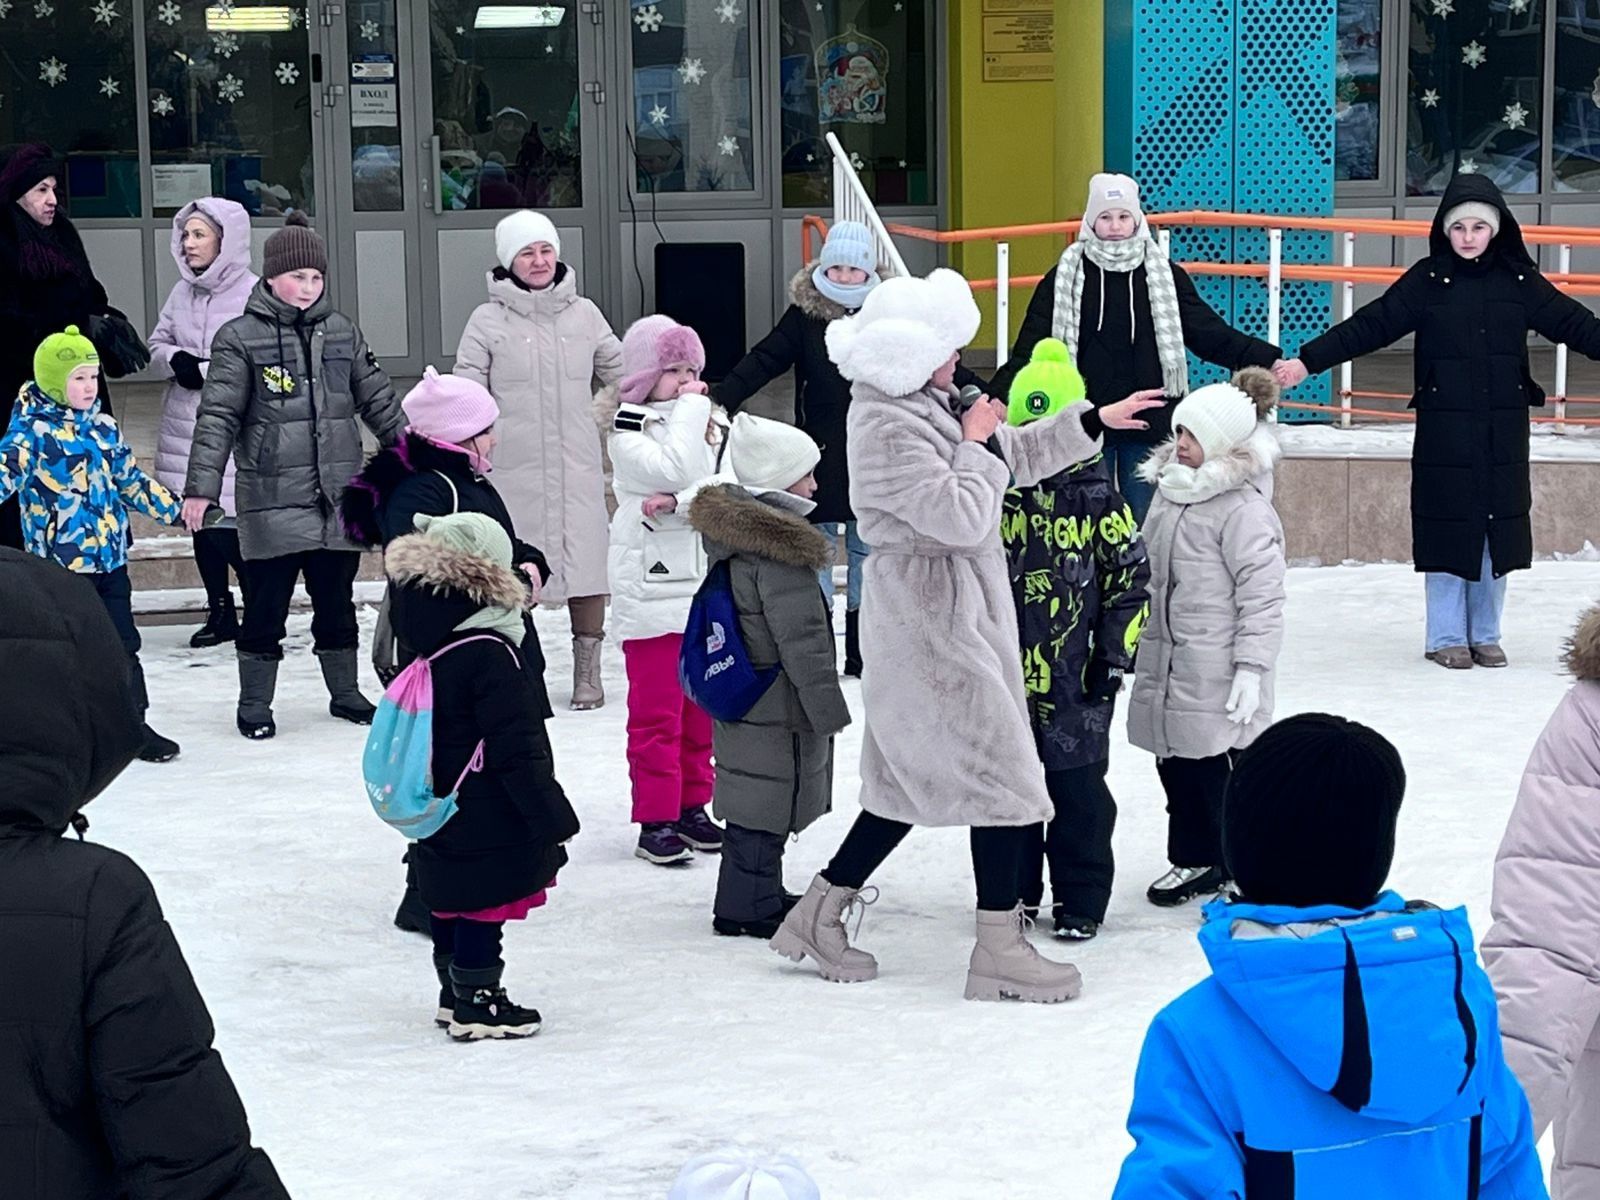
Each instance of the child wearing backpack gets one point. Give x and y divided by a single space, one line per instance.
663 440
774 765
492 860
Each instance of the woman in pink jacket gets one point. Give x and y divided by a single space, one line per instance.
1544 950
211 245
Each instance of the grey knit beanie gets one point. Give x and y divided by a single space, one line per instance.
295 247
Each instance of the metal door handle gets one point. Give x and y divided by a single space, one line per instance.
331 94
594 10
436 175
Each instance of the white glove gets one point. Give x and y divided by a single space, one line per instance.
1244 698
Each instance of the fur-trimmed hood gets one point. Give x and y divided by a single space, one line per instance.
803 294
732 521
1582 656
1251 462
417 558
384 473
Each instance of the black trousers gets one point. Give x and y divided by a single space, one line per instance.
472 945
116 593
215 550
1077 844
997 852
268 585
750 875
1195 787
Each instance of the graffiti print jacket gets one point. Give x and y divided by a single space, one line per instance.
75 478
1079 578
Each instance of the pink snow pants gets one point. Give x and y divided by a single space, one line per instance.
669 736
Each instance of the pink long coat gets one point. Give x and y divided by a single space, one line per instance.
198 306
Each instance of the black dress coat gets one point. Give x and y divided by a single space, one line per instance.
109 1086
1472 385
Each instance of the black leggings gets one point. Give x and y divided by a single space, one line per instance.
215 550
471 945
997 852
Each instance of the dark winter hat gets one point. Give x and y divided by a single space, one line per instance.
295 247
23 165
1310 813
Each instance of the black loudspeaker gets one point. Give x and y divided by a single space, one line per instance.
701 285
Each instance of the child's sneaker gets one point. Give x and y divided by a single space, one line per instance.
659 843
1182 884
490 1013
699 831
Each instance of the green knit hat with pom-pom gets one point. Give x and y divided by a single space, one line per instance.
1046 386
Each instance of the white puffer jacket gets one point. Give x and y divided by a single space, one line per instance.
671 453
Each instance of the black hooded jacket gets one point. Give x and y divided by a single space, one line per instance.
109 1087
1472 385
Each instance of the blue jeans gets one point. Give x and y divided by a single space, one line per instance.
1124 459
1462 613
856 550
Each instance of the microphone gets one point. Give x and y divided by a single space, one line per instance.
963 402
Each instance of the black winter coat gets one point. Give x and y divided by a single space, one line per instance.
821 394
1116 360
109 1087
1472 384
504 842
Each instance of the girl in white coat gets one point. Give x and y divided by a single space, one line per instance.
664 440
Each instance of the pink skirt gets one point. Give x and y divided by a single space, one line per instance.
515 911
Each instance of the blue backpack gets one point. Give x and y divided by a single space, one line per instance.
713 666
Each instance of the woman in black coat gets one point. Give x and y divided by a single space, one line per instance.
109 1087
491 861
1120 348
1471 304
46 282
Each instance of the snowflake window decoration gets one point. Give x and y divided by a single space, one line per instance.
105 12
223 7
728 12
161 104
692 71
659 117
648 19
230 88
225 44
110 87
53 71
1474 55
43 9
169 13
287 73
1469 166
729 146
857 161
1519 6
294 18
1515 115
1443 8
369 31
1430 98
5 9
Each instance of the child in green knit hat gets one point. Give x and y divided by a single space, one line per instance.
75 476
1078 576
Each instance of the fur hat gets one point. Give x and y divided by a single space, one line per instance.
767 455
449 408
1222 415
728 1175
22 166
1310 813
651 345
295 247
1473 209
905 331
1107 192
57 357
1046 386
520 230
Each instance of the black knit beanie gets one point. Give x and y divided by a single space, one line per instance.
23 165
1310 813
295 247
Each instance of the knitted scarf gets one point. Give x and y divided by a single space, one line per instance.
1122 258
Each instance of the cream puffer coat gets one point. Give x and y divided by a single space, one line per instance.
1543 952
1216 599
539 354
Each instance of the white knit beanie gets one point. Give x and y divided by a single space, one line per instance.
767 455
1112 191
729 1175
522 229
1487 213
1219 416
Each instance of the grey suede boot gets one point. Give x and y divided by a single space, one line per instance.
815 928
258 683
587 690
345 700
1005 966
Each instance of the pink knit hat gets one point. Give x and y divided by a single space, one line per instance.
449 408
650 346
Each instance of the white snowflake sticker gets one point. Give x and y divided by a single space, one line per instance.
692 71
369 31
169 13
287 73
1474 55
1430 98
1443 8
225 44
105 12
294 18
729 146
5 9
223 7
230 88
161 104
1519 6
110 87
648 19
53 71
728 12
1515 115
1469 166
857 161
659 116
43 9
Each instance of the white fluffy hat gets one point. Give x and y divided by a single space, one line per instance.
905 331
522 229
768 455
728 1175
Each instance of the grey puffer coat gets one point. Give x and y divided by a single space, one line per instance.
1216 599
283 396
775 767
1543 952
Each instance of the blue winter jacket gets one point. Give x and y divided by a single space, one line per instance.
1333 1053
76 477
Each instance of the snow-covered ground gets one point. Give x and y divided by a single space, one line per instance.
662 1040
1579 443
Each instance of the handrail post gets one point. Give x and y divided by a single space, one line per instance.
1002 302
1165 239
1347 371
1564 265
1274 288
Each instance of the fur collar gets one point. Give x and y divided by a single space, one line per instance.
417 558
377 482
1583 647
734 518
803 295
1249 461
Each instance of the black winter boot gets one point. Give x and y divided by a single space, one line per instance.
258 683
222 624
852 644
154 748
483 1010
345 699
447 995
